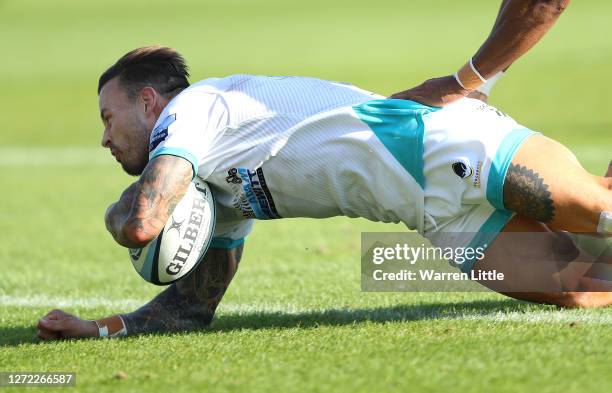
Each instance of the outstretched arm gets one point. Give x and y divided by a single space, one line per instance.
145 206
188 304
520 24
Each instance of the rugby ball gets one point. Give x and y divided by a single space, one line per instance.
181 245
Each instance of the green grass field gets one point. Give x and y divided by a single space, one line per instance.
294 318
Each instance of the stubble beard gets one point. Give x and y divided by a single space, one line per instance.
138 156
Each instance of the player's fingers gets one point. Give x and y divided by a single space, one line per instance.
55 314
46 322
52 324
44 334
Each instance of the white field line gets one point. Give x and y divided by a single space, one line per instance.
46 301
552 316
97 156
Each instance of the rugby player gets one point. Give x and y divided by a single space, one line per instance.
312 148
276 147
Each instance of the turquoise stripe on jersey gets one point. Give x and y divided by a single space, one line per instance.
178 152
398 124
487 234
225 242
501 162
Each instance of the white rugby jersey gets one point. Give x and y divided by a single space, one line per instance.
274 147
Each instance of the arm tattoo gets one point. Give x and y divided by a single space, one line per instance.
526 193
162 185
190 303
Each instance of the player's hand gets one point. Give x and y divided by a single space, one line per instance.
58 324
434 92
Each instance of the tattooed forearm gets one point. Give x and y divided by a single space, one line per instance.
161 186
190 303
527 194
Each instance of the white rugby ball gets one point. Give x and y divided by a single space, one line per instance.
181 245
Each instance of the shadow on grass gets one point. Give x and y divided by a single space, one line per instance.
15 335
256 320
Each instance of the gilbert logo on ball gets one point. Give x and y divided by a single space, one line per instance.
181 245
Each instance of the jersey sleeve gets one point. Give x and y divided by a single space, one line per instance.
231 234
188 127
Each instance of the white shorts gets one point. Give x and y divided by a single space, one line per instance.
468 147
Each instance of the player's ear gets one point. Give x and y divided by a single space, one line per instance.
148 96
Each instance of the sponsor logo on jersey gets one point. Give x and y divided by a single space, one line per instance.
477 174
487 108
251 193
160 133
462 169
233 177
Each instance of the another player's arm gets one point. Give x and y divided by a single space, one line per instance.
188 304
520 24
144 207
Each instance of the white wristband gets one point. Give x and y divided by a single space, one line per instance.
476 71
111 327
456 75
468 77
488 86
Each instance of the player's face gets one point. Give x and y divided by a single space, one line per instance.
126 129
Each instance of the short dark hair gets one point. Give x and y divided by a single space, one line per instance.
159 67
